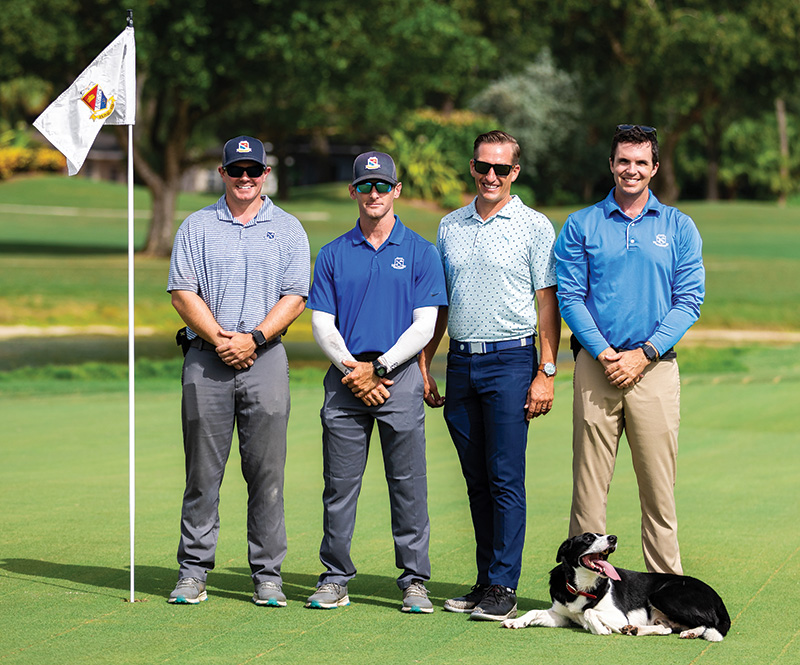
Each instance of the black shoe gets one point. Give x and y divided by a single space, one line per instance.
499 604
467 603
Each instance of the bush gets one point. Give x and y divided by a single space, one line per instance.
18 160
432 151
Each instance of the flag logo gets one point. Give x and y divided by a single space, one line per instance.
372 163
244 146
96 100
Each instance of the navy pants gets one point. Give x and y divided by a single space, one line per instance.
485 414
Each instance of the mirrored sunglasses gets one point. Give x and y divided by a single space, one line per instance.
500 170
366 187
254 171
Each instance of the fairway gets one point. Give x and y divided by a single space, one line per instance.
65 537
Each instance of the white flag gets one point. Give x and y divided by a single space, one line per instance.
104 93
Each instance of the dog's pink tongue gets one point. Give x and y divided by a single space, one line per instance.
607 568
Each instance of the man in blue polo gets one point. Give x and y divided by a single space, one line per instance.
375 298
238 277
498 260
630 284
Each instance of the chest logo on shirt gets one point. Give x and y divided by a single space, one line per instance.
399 263
270 235
661 241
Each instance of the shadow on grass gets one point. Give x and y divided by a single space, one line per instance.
232 583
54 249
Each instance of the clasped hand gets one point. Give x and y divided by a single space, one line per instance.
365 384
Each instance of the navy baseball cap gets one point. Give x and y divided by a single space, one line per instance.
244 148
374 166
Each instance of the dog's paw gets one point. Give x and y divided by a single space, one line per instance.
629 630
692 633
515 623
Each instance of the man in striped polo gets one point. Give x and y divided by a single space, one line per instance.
239 277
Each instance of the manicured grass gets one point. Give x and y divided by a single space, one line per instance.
63 564
70 269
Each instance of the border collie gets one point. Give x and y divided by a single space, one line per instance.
588 591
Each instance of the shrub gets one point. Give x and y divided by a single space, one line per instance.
15 159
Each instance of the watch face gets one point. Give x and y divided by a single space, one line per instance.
380 370
549 369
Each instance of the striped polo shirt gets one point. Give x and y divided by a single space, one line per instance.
240 271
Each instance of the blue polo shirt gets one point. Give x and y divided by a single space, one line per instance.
374 292
623 282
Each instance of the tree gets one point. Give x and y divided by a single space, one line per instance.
271 68
664 64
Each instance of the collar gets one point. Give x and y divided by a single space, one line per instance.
264 213
653 206
578 592
396 235
505 212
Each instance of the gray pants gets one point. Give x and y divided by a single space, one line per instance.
347 425
256 400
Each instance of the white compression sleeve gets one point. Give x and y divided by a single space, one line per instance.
330 340
414 339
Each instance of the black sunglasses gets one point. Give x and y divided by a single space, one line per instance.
254 171
366 187
644 128
500 170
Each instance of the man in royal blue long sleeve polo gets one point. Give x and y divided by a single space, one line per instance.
630 284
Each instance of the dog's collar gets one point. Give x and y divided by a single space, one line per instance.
578 592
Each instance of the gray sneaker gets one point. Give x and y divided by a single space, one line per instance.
415 599
270 594
188 591
468 602
328 596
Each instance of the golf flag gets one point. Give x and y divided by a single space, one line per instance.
104 93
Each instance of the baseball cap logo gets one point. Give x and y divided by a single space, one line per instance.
244 146
372 163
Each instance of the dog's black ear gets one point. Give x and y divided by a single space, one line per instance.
562 551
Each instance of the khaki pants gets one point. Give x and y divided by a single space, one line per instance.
649 413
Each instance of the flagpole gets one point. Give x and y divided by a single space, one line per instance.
131 354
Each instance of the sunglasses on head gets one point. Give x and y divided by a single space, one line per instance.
500 170
380 187
254 171
644 128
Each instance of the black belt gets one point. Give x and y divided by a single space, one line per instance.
473 348
575 346
200 343
367 357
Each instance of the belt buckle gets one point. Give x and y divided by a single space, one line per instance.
477 347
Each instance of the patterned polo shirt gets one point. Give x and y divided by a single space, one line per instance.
240 271
494 268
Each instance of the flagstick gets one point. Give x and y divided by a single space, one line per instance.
131 353
131 358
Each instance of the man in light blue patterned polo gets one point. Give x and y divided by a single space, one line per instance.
498 261
239 277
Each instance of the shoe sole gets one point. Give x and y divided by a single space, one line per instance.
481 616
416 609
450 608
183 600
272 602
316 605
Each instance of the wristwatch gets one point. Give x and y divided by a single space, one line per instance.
650 352
549 369
258 337
380 369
